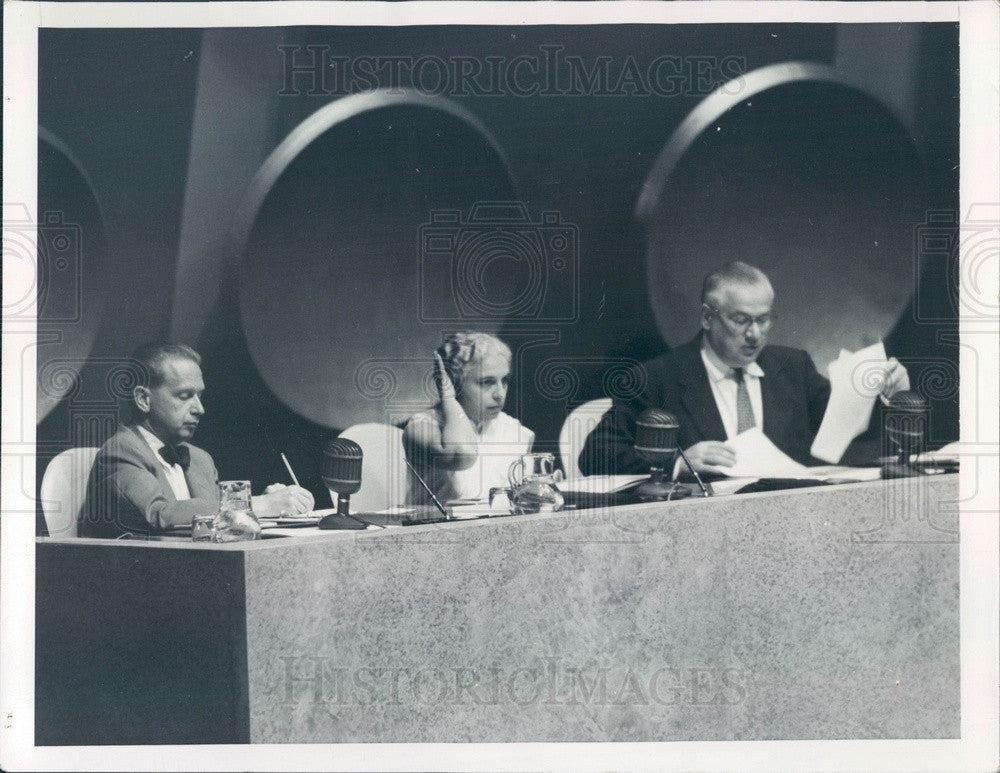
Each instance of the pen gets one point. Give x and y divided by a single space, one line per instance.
290 470
427 488
697 477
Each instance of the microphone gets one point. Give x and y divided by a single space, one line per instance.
342 475
656 442
905 425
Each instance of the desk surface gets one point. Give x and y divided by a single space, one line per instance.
813 613
280 538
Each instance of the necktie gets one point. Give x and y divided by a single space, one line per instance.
177 455
744 411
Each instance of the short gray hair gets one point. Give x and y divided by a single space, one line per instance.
152 356
736 272
461 349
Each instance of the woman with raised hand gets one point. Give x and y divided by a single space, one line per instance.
465 443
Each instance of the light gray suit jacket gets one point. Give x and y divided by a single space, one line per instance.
128 489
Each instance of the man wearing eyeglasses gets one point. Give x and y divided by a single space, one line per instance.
724 382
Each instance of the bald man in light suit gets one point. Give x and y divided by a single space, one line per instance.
147 478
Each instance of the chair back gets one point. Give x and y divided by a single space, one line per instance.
64 489
578 425
383 471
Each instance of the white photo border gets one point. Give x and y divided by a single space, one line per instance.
980 535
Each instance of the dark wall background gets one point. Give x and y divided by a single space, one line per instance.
172 125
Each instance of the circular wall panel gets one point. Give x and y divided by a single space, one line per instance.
70 288
810 179
349 241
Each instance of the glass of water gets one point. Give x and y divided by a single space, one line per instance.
235 521
201 527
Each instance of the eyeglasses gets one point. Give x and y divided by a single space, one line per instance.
741 323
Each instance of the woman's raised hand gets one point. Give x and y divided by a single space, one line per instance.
446 389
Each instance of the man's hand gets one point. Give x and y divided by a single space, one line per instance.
710 456
282 500
896 378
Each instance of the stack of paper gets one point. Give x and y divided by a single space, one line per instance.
856 379
758 457
949 453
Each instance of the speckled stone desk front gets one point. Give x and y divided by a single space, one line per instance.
824 613
814 614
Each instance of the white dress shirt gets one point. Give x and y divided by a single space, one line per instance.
174 472
723 383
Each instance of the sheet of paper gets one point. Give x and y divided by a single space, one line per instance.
948 453
599 484
465 508
836 472
727 486
856 379
758 457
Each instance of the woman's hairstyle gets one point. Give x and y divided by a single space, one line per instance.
460 349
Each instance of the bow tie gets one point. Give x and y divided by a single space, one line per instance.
177 455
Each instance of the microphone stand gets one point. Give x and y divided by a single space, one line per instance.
342 519
904 426
901 467
655 442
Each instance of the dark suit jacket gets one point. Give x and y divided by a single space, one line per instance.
128 489
794 397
